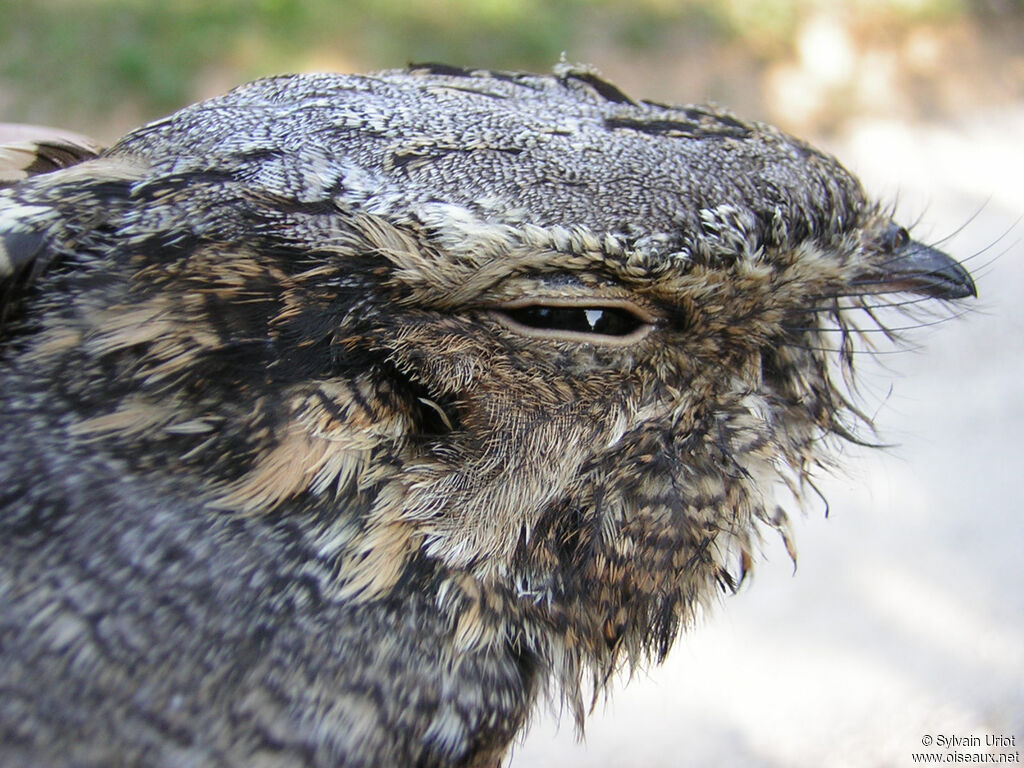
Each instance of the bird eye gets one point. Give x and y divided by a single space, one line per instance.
576 322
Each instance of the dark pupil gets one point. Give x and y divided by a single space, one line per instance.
609 321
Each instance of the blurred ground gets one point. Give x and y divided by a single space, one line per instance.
906 616
809 65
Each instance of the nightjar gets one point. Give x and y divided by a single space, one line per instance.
346 417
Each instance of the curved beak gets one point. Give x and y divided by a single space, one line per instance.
919 269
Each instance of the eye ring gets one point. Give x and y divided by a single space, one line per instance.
610 323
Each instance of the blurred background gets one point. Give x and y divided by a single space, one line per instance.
809 65
905 618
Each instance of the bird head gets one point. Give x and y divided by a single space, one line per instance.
557 344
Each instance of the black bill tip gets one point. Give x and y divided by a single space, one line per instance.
919 269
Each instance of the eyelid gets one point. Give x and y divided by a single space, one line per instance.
584 303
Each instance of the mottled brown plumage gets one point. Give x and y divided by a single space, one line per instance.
345 416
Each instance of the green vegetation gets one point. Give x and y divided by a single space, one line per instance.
70 62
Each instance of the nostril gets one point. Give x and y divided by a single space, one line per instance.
895 238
